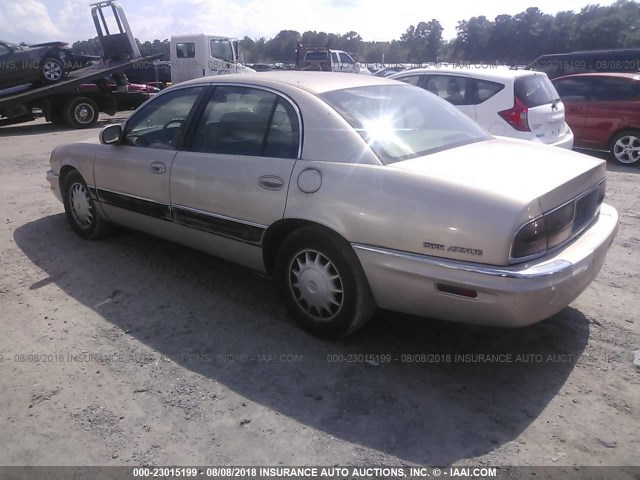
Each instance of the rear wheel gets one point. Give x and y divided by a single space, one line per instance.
52 70
322 283
81 112
625 147
82 212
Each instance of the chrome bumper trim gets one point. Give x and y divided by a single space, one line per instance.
518 272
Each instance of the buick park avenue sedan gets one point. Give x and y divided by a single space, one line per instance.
354 192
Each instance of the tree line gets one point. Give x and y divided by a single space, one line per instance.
510 39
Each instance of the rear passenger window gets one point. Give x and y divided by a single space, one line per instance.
283 135
573 89
610 89
485 90
247 121
452 88
412 80
186 50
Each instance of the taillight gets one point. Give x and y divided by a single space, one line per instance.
517 116
531 239
557 226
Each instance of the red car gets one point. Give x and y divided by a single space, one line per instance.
603 110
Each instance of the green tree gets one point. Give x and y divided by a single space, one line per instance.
423 41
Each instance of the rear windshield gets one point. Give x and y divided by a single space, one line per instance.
401 121
316 56
535 90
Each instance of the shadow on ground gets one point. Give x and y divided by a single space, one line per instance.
40 126
612 166
435 410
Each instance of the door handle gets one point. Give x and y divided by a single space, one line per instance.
158 167
271 182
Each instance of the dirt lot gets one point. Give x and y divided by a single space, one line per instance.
131 350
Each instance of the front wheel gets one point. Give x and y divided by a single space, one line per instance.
625 147
82 212
323 284
81 112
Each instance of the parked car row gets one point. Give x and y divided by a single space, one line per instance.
355 192
598 111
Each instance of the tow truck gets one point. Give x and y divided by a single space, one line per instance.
66 102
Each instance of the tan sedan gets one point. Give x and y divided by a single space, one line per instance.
354 192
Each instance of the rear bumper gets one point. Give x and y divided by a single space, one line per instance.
510 296
566 141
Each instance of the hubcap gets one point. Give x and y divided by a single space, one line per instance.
83 113
627 149
52 71
81 207
316 285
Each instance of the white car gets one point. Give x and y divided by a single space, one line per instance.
510 103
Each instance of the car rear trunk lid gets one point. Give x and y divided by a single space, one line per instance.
518 170
546 115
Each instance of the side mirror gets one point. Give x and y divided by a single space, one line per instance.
111 134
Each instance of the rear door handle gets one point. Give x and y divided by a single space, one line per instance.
158 167
271 182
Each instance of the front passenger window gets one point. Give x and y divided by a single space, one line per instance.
159 123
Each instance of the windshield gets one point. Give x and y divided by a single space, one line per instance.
222 49
316 56
401 121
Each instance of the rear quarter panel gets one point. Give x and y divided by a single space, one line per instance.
605 119
386 207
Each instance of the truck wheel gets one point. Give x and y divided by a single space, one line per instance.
81 112
52 70
322 283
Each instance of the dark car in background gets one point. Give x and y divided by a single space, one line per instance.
623 60
22 64
603 110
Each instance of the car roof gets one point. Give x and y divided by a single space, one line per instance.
314 82
483 71
629 75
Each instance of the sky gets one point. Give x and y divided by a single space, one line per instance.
34 21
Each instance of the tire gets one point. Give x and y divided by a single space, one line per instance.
625 147
81 112
82 212
311 262
52 70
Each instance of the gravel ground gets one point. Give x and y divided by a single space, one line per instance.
131 350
